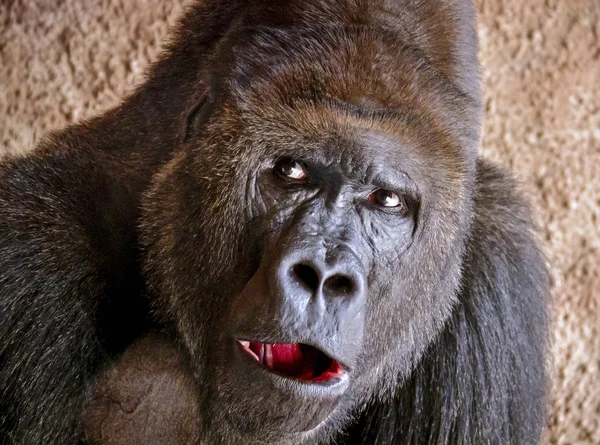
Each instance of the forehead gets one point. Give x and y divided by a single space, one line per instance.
352 63
348 77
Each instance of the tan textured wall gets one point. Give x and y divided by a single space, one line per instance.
64 60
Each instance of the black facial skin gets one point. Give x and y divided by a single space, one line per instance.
291 172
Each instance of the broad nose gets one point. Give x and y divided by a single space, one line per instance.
318 272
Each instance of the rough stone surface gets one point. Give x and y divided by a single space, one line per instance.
66 60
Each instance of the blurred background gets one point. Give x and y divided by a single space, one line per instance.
66 60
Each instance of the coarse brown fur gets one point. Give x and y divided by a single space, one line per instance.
165 215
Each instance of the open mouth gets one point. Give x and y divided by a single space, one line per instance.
294 360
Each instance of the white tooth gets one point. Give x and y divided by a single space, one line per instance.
261 353
245 344
268 360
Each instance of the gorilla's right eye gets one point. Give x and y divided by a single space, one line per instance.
290 170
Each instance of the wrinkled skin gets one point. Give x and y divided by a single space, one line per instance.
435 307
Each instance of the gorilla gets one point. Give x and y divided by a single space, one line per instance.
284 236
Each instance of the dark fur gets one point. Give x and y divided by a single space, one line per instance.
455 319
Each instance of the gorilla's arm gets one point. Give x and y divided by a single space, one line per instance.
53 278
69 282
484 379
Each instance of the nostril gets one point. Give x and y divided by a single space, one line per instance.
306 275
339 285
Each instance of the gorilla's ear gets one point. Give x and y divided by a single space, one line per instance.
197 115
484 379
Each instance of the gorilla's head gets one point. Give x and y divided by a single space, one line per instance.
306 239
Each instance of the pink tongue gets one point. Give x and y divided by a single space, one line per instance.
284 358
287 358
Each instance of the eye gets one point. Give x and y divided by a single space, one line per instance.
387 198
292 170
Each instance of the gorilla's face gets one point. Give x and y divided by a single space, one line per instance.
313 249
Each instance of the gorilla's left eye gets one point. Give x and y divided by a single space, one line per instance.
290 170
387 198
